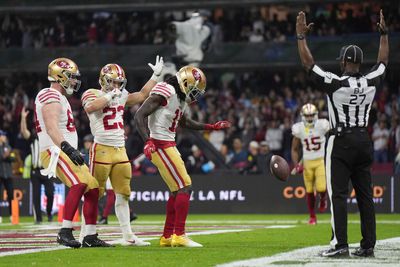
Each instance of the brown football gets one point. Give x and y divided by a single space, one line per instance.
279 167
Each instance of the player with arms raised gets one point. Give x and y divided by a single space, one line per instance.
165 109
108 158
310 133
55 127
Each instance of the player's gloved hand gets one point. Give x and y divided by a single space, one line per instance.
113 94
157 68
149 148
219 125
298 169
72 153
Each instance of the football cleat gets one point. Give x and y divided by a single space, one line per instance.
165 242
336 252
184 241
132 216
363 252
92 241
66 238
312 221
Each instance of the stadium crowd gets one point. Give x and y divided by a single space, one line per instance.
261 106
262 23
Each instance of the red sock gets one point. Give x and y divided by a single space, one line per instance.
322 196
170 218
181 211
109 203
90 206
311 204
72 201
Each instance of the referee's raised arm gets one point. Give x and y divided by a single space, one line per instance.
301 30
383 54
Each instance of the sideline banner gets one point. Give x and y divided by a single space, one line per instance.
227 193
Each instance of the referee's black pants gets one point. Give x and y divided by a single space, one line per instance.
349 157
37 180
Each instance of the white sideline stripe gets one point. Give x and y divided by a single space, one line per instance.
386 254
27 251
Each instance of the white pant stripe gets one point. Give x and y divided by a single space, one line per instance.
170 168
329 184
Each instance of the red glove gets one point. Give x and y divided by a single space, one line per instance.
149 148
219 125
298 169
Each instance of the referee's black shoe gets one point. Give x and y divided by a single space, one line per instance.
336 252
66 238
363 252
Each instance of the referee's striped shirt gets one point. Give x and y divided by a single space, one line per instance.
350 96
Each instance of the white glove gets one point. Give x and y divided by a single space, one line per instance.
157 68
113 94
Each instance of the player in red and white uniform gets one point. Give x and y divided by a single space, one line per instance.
310 133
108 158
165 109
56 129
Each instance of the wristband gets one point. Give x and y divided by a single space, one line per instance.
300 36
208 127
156 78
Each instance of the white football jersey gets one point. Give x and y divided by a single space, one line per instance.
66 123
107 125
164 121
312 139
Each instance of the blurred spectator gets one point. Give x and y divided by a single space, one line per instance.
274 138
195 161
239 156
6 158
255 162
265 155
380 137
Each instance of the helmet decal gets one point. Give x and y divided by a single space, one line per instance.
196 75
63 64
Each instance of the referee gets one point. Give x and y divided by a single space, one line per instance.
349 152
37 179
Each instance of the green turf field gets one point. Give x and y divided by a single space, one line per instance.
245 236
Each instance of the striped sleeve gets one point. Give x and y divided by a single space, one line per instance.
88 96
324 79
49 96
376 75
163 89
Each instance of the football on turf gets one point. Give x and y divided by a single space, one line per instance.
279 168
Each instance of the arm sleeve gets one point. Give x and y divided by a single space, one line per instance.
49 96
162 89
376 75
88 97
325 80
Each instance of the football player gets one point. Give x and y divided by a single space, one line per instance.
55 127
165 109
108 158
310 133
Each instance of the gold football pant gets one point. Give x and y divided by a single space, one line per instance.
171 167
111 162
69 173
314 174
